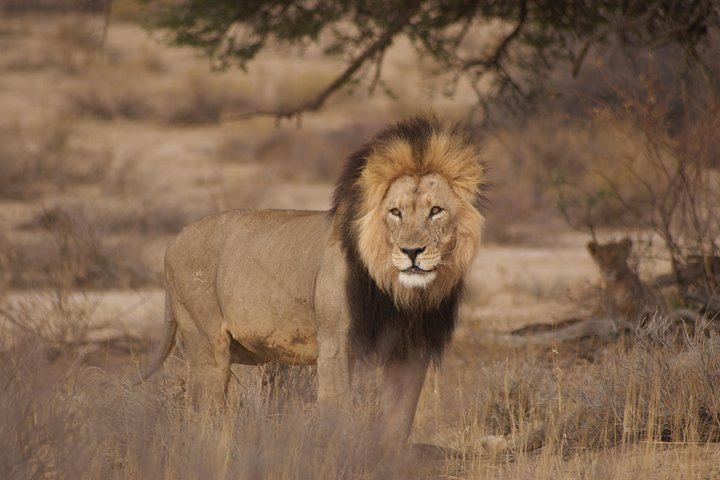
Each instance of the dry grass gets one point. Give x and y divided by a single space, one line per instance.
322 153
650 404
199 99
64 249
37 158
84 422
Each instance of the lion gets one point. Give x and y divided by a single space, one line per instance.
628 302
375 279
626 297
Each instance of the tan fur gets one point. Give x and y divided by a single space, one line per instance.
256 286
626 297
456 163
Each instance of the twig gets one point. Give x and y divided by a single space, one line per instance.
494 60
378 72
314 104
607 30
106 23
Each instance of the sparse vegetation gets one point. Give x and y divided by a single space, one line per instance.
67 250
61 417
37 158
105 154
527 40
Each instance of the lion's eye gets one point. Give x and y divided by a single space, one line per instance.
435 211
395 212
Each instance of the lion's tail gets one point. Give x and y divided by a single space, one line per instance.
167 343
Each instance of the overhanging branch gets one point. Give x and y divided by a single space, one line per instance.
314 104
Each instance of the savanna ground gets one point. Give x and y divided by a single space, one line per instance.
105 153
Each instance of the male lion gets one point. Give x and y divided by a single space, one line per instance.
377 278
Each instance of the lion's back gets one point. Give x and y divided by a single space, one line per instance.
238 243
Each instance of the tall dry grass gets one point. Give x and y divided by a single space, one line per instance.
62 418
644 410
42 156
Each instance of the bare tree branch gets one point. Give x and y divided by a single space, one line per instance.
107 10
612 27
494 61
378 72
314 104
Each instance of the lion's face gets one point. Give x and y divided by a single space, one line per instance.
420 222
611 258
408 206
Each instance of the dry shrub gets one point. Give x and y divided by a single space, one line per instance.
36 158
645 155
527 164
108 102
128 11
146 216
309 155
73 45
77 44
52 6
66 251
142 216
43 428
514 395
197 99
205 99
69 325
668 184
657 393
652 393
61 420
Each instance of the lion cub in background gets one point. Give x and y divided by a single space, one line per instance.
626 297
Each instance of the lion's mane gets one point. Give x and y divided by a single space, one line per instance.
390 321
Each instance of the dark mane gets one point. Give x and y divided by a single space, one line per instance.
380 330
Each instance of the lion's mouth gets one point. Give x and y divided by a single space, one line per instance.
416 277
415 270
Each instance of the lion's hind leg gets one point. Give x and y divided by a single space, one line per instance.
206 348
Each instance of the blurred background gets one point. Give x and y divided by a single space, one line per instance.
123 121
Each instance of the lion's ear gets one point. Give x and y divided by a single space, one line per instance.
592 248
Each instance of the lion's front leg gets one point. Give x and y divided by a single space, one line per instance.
334 363
402 383
334 366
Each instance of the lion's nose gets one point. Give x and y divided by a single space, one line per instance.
412 252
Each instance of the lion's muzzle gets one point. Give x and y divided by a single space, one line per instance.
412 253
415 271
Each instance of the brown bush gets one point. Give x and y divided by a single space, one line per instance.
106 103
528 164
205 99
59 419
36 159
304 155
65 250
52 6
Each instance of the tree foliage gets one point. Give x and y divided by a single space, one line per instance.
533 37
